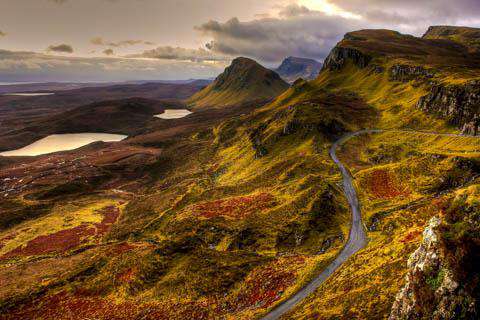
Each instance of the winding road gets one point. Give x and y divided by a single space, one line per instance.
357 238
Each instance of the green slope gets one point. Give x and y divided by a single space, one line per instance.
244 81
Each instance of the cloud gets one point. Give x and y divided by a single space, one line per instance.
310 29
182 54
2 34
99 41
413 15
294 10
33 66
64 48
108 52
309 35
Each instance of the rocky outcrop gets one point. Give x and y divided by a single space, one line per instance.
255 137
338 57
432 290
405 73
458 104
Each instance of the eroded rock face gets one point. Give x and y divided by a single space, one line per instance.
339 56
432 290
458 104
405 73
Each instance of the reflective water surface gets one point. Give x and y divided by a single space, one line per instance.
62 142
173 114
29 94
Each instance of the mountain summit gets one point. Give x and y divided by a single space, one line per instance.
244 81
293 68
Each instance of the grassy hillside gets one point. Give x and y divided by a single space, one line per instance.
228 220
404 179
244 81
225 222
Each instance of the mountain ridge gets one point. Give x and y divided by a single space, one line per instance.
244 81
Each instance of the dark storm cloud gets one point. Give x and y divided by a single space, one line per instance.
183 54
99 41
108 52
304 33
64 48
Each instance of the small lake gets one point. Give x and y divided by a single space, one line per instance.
62 142
173 114
29 94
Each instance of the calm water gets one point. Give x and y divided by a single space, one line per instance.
62 142
29 94
173 114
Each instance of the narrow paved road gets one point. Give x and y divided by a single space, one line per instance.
357 238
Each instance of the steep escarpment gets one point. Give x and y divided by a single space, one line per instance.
405 73
243 82
339 56
459 104
442 88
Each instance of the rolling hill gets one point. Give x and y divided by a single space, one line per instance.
243 82
229 220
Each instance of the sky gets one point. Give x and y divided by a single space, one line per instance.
116 40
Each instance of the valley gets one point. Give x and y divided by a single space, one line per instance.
350 196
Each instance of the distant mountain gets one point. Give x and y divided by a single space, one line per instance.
244 81
293 68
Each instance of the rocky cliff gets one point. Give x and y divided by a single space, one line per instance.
405 73
339 55
458 104
443 277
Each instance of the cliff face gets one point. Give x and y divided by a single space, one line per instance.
405 73
458 104
443 277
339 56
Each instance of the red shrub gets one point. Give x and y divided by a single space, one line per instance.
266 285
383 185
237 207
67 239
